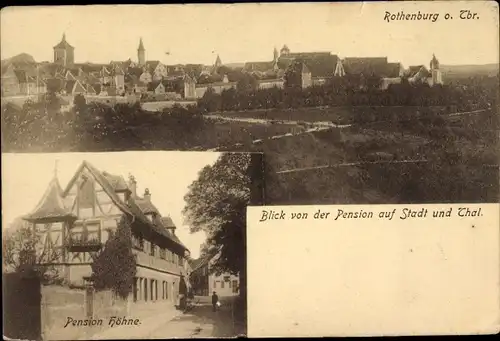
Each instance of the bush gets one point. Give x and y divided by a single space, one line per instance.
115 267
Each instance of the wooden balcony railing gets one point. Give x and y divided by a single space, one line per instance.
84 244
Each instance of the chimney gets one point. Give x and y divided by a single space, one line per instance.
147 194
132 185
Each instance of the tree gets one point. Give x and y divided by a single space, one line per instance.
115 266
210 101
246 83
24 251
216 204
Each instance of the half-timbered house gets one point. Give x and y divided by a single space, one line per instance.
76 222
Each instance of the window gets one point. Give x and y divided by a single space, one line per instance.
235 286
222 284
162 253
215 284
153 249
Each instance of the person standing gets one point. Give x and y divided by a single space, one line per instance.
215 300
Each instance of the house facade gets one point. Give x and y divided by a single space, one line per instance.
298 75
21 81
204 281
76 222
419 74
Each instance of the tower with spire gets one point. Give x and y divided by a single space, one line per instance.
141 53
435 71
218 62
64 53
275 55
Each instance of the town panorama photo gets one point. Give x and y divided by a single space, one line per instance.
348 107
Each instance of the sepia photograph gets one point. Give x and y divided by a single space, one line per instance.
360 103
126 245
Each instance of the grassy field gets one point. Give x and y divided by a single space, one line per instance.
339 115
460 167
460 157
462 151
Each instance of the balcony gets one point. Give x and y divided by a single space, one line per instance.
84 244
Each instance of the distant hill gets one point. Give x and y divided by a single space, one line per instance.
469 70
20 58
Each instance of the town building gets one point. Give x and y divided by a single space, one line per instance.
322 65
22 81
419 74
64 53
77 221
363 68
157 69
217 87
204 281
298 75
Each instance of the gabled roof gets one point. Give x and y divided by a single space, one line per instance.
152 64
104 71
259 66
393 70
72 84
146 205
366 66
51 207
198 263
90 89
89 67
418 70
320 64
116 181
21 76
167 222
136 71
113 184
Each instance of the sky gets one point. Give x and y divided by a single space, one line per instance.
249 32
25 178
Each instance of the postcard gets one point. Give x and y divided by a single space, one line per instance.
336 108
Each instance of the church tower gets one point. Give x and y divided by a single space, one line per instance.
218 62
64 53
275 55
435 71
141 53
